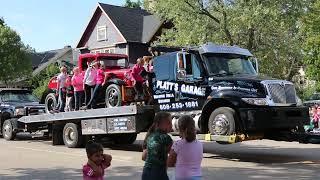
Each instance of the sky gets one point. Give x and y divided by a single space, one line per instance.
50 24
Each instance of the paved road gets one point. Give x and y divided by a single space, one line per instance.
38 159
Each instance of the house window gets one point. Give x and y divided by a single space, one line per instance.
102 33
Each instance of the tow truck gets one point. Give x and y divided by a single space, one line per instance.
217 85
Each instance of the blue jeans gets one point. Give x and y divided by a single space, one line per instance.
78 95
61 99
93 101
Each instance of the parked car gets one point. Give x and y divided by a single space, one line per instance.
15 103
312 100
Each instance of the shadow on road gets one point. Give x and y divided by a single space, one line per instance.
30 173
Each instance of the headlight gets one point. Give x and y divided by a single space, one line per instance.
20 112
256 101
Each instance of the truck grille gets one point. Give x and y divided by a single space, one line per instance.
35 110
282 93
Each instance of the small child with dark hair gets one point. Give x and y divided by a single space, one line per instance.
97 162
186 153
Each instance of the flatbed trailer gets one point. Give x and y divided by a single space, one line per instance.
121 124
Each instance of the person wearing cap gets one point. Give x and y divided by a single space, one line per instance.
89 81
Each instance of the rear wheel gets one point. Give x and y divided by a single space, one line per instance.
50 102
8 130
113 96
72 136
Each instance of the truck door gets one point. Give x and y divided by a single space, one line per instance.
179 83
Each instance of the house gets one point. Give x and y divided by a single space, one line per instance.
121 30
65 56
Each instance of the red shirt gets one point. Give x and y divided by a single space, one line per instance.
88 173
136 70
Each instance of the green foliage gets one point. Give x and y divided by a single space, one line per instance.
133 4
270 29
15 61
311 26
39 83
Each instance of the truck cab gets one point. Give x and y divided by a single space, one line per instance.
219 86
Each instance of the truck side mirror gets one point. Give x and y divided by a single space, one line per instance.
181 66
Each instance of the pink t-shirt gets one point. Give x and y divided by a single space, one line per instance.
100 76
77 82
189 157
135 73
88 173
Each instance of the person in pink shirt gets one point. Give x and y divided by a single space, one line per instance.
137 78
77 83
97 162
99 81
186 154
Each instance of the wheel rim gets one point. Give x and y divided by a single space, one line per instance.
70 135
113 97
7 130
220 125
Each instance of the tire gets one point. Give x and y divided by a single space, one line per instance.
50 102
72 136
222 121
124 138
8 130
113 97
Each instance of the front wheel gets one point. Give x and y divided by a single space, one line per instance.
113 96
222 121
50 102
8 130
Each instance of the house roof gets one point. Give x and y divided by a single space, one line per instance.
134 24
48 57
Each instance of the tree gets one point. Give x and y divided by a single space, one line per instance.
1 21
270 29
39 82
311 27
132 4
15 62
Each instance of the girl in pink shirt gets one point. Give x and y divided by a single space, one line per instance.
186 154
99 81
77 83
97 162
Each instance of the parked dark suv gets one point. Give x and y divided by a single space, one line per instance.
15 103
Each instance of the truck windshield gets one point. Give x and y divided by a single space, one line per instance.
18 96
222 64
107 62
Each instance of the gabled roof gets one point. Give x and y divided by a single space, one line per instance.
49 57
134 24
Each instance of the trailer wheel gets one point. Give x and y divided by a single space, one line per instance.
72 136
113 96
50 102
124 138
222 121
8 130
